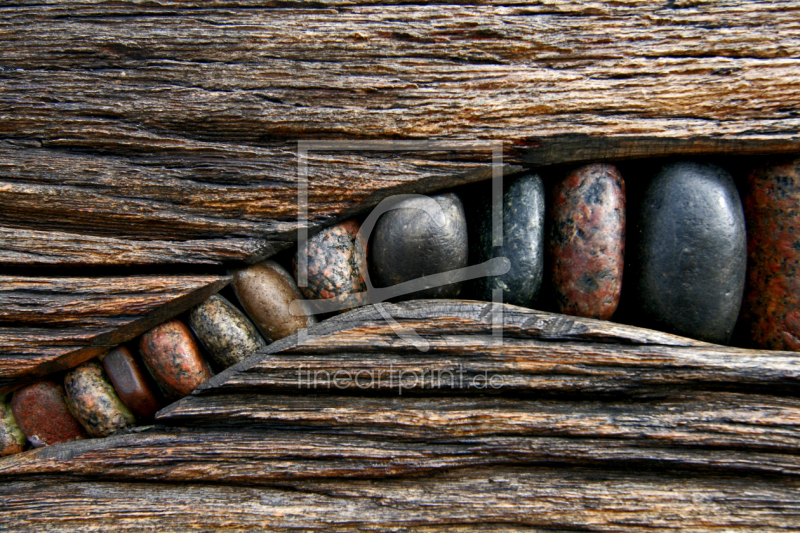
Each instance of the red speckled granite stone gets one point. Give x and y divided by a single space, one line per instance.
335 264
130 382
94 402
42 414
771 306
173 358
587 241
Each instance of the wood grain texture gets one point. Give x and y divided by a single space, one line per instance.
251 439
212 204
171 127
48 324
713 420
361 352
480 499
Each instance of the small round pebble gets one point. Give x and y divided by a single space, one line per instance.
586 241
41 412
94 402
523 242
131 383
227 335
173 358
12 439
336 265
771 307
266 290
409 242
692 252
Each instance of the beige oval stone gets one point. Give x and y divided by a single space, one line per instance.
266 290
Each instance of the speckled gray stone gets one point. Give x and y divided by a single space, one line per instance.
692 252
12 439
227 335
94 402
407 244
523 242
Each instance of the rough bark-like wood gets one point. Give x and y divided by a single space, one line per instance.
488 499
692 419
263 439
539 352
191 203
175 122
49 324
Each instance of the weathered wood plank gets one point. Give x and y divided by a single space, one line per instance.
194 203
172 127
439 347
715 420
489 499
48 324
264 439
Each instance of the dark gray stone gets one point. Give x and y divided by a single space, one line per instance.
407 244
691 252
523 242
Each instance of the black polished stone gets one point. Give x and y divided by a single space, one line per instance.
523 242
691 252
408 243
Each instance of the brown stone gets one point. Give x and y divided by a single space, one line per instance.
771 305
94 402
131 383
173 358
227 335
266 291
12 439
586 241
43 415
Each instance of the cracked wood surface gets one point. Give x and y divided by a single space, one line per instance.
253 439
48 324
168 130
467 342
644 456
475 499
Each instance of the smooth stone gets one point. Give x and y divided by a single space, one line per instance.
41 412
692 252
94 402
131 383
408 243
12 439
523 242
227 335
586 241
173 358
771 306
266 290
336 265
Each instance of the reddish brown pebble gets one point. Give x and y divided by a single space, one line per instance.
266 290
335 265
94 402
130 382
12 439
771 306
42 414
587 241
173 358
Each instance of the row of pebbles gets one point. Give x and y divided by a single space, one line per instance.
701 254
